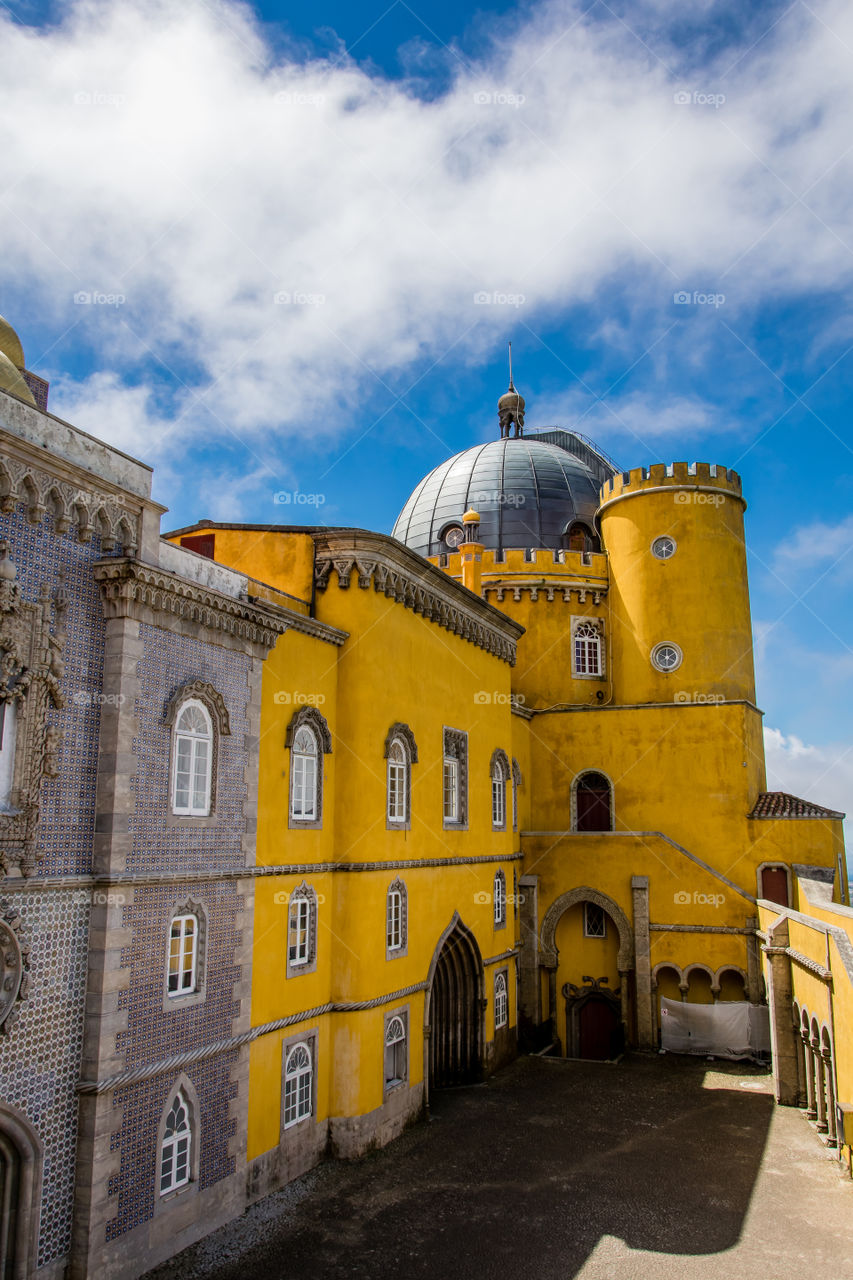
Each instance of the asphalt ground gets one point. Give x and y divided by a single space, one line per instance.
658 1168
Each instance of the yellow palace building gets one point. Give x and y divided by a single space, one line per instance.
511 785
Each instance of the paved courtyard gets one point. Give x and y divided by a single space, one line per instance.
660 1168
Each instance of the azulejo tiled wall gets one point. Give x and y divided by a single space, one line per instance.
170 661
40 1058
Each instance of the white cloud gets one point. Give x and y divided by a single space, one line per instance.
164 153
822 774
818 547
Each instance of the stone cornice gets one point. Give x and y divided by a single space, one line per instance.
133 589
404 576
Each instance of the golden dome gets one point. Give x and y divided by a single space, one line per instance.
471 516
10 344
11 380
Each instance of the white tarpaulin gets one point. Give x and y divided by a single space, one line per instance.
730 1029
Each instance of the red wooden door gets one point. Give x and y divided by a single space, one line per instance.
597 1024
774 885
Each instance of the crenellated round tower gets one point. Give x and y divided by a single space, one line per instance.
680 626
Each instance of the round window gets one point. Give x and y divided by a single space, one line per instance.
664 547
666 656
454 536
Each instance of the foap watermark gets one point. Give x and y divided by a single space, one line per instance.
495 299
684 497
298 298
699 698
498 496
98 98
94 698
683 298
292 497
102 899
698 98
502 98
297 699
483 898
483 698
94 298
283 897
289 98
697 899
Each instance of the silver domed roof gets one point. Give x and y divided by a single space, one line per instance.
527 493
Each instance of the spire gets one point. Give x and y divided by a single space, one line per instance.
511 407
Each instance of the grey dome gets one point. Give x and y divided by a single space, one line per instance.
526 491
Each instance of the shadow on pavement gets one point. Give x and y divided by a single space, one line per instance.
522 1176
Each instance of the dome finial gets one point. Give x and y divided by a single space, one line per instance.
511 407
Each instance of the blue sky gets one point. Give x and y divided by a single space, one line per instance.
306 234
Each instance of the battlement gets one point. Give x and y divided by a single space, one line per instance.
542 561
675 474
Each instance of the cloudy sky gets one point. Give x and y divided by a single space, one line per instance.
282 248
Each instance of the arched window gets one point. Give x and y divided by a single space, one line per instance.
455 778
499 773
398 782
302 929
303 776
298 1085
499 893
308 738
192 760
396 919
182 975
593 803
395 1051
579 537
501 1001
175 1167
586 650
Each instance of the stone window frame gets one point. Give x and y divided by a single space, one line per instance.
213 703
164 1201
499 913
310 718
499 761
310 1038
303 892
517 782
655 544
389 1087
188 907
401 733
394 953
654 656
501 974
577 621
455 746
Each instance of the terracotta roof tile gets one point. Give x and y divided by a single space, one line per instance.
779 804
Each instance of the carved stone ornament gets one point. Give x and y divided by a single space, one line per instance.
32 637
14 967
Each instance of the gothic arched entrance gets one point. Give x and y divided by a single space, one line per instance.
455 1009
594 1026
20 1193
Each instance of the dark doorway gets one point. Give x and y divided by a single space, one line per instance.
10 1180
455 1049
593 806
598 1024
774 885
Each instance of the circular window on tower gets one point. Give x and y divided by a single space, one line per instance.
666 656
453 537
663 548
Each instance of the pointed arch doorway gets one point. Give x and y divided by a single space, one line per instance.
454 1015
